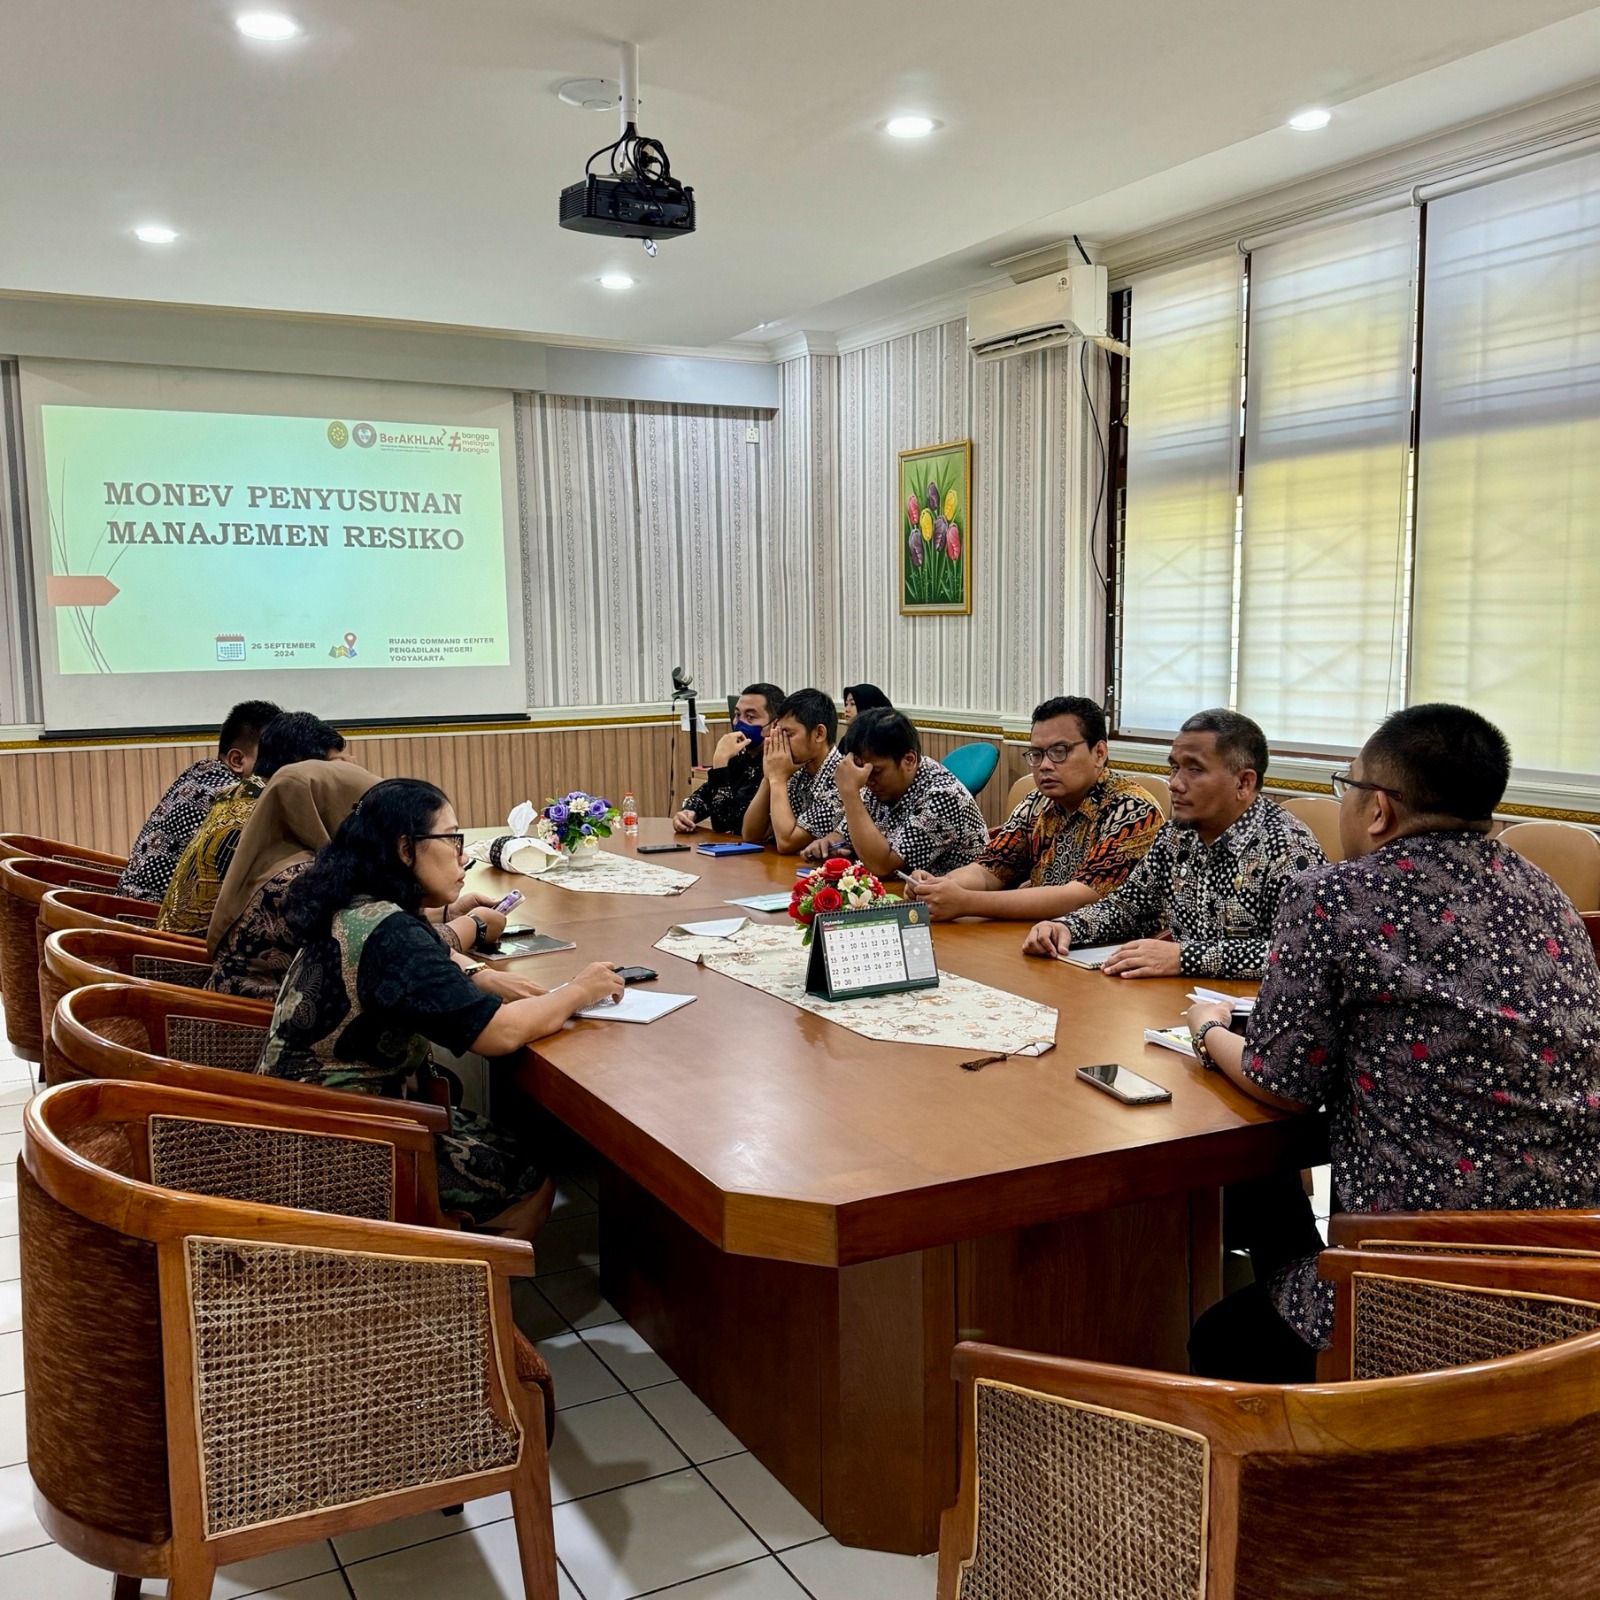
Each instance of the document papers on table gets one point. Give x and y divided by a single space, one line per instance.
719 928
637 1005
778 900
1243 1004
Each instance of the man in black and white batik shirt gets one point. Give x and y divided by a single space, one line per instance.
902 810
1202 901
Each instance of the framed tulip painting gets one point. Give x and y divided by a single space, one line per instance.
935 512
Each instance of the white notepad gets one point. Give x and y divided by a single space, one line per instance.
1092 957
1243 1004
1171 1039
720 928
776 901
637 1005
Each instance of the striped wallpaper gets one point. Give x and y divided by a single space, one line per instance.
656 534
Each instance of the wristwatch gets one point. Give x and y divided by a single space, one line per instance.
1199 1038
471 967
481 926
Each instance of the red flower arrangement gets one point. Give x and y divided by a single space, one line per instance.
838 885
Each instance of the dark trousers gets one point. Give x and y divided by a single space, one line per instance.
1242 1337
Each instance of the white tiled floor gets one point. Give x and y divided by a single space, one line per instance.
652 1494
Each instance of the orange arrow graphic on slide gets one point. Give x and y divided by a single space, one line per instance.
90 591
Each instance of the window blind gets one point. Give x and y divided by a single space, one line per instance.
1507 605
1326 464
1181 494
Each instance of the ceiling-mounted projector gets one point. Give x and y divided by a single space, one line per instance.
639 198
1041 314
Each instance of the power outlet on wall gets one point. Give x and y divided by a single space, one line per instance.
752 434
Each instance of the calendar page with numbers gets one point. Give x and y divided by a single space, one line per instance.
882 950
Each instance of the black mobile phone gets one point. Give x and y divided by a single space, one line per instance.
636 974
658 849
511 933
1127 1086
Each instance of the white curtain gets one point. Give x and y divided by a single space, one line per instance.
1327 442
1182 494
1507 608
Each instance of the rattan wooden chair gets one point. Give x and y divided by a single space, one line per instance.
31 844
1019 791
1321 816
24 882
236 1340
77 957
1463 1232
1157 789
1569 854
90 908
1108 1483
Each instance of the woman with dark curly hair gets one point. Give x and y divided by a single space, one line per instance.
373 985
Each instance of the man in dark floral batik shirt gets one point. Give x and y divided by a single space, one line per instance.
1439 995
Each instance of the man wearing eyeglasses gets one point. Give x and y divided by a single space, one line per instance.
1439 995
1202 901
1075 838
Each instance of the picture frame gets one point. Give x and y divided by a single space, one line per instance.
933 581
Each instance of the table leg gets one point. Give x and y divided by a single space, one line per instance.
838 1380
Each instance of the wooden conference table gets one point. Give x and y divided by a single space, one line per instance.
803 1222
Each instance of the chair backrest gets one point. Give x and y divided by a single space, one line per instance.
30 844
1166 1486
1575 1232
1156 787
1321 815
1019 791
1568 853
1404 1312
191 1039
115 1175
973 764
74 957
24 882
90 908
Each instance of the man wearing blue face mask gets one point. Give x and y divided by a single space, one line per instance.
735 773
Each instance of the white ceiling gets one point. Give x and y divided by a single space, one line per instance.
403 160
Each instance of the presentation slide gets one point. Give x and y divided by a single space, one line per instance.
207 541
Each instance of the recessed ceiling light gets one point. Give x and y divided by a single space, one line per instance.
271 26
155 233
1310 121
616 280
909 127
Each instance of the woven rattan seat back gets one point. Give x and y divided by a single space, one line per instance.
1403 1325
166 969
296 1352
214 1044
1075 1500
91 1339
274 1166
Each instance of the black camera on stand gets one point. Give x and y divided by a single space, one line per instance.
683 689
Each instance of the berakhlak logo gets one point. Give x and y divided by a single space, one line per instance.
338 435
364 435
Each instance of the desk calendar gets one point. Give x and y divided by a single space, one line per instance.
885 949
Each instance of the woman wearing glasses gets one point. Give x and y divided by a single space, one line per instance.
373 986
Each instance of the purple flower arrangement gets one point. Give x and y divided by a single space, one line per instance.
576 817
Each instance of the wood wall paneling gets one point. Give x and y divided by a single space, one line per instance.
100 795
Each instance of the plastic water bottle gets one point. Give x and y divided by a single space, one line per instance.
630 816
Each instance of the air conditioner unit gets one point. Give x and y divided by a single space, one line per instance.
1040 314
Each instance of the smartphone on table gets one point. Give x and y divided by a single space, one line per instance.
636 974
1126 1086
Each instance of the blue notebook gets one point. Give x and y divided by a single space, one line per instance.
730 849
